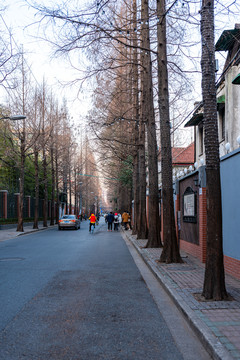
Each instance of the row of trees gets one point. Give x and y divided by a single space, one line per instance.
135 51
39 154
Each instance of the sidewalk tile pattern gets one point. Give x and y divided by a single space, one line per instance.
221 317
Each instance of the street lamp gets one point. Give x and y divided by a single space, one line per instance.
14 117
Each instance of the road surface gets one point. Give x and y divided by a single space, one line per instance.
77 296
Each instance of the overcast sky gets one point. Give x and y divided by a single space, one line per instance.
38 54
18 16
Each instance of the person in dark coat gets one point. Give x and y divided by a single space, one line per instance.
110 220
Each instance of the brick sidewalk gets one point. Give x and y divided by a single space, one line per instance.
216 322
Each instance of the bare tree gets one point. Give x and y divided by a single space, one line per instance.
170 251
148 114
10 57
214 281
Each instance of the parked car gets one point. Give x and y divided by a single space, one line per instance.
69 221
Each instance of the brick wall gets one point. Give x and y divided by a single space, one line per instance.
189 248
232 266
198 251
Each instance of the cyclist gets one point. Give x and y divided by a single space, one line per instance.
92 219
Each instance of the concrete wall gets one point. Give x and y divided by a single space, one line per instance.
230 175
232 111
232 107
230 184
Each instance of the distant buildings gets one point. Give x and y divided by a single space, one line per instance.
228 99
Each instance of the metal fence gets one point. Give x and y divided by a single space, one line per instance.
1 205
40 208
25 208
28 206
11 206
32 206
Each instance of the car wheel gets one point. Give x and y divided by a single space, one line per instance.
59 228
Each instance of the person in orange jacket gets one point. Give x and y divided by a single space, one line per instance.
125 217
93 220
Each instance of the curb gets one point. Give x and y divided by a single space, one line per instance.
35 230
209 341
5 235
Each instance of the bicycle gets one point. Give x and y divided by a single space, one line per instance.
92 228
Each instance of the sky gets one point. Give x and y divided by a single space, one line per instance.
55 71
18 16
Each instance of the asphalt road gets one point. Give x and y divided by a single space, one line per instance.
77 296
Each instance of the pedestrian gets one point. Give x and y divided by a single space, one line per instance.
120 218
110 219
129 222
116 222
125 217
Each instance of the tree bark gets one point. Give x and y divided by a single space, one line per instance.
35 224
154 239
22 170
45 182
170 251
57 185
53 187
136 187
70 185
214 280
142 217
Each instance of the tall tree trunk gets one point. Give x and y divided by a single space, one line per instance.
36 214
136 194
170 251
142 216
53 187
154 239
70 188
22 170
45 182
57 186
75 191
23 157
214 281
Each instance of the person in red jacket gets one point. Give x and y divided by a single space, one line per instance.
92 219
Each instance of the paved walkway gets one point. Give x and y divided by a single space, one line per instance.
217 323
12 233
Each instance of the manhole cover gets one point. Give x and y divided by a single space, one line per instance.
12 259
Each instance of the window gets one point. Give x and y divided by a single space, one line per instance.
189 206
221 116
200 137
